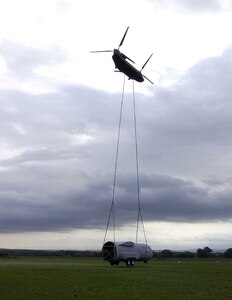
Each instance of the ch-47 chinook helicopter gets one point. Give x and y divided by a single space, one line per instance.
122 64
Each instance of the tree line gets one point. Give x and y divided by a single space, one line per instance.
47 253
205 252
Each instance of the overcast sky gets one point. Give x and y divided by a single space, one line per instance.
59 112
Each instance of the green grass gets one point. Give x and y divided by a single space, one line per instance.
77 278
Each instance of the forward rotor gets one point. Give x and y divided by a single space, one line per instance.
123 38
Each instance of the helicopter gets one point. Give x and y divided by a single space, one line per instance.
122 64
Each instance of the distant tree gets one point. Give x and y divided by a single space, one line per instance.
166 253
208 251
189 254
228 253
3 254
185 254
201 253
204 253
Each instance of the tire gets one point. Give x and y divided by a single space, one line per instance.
114 262
130 262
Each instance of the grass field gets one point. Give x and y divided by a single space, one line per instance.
79 278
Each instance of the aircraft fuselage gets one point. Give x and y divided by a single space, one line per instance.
125 67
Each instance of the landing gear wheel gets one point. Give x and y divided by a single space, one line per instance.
130 262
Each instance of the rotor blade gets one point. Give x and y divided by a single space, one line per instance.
146 62
123 38
124 56
148 79
130 60
101 51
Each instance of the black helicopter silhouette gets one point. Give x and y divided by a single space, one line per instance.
121 63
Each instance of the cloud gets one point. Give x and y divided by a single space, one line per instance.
192 6
188 125
23 61
44 199
59 175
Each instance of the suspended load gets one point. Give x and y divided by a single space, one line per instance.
127 252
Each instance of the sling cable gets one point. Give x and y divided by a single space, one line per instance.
129 252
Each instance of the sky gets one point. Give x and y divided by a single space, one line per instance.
59 113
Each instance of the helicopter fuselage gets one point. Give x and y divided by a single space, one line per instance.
125 67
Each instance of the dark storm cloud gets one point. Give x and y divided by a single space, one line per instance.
51 179
52 206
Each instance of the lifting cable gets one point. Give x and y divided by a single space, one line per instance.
112 212
112 208
139 218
